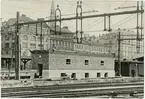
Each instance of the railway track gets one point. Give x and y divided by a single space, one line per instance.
68 86
77 92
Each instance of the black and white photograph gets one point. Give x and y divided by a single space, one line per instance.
72 49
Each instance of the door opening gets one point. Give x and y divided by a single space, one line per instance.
40 69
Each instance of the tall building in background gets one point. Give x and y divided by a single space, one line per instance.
52 14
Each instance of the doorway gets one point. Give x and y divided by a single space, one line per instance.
40 69
133 72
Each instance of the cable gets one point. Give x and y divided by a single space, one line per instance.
113 29
124 3
125 21
97 23
87 6
121 20
92 23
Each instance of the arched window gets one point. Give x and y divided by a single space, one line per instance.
25 37
33 38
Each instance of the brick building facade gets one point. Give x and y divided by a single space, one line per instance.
82 65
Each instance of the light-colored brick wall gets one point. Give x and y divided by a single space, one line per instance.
58 62
54 64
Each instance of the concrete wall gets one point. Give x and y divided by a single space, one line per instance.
80 74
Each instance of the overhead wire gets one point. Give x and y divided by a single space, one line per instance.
121 20
125 21
104 31
94 23
87 6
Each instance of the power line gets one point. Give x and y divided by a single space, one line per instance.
121 21
124 3
92 23
87 6
125 21
96 23
113 29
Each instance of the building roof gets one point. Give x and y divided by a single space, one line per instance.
140 58
9 57
123 32
73 53
63 30
22 18
83 53
93 43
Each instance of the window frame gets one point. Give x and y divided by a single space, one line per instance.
68 61
102 63
86 62
98 74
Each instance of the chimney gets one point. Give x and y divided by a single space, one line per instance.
66 27
40 19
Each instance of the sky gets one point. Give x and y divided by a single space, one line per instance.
41 9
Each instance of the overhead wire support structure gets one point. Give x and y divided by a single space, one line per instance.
86 16
17 50
79 14
119 43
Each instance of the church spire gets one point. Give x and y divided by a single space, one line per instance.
52 14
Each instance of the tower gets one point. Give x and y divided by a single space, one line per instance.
52 14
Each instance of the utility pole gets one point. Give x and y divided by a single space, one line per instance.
41 38
119 63
17 53
137 39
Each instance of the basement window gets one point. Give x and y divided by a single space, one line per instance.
106 75
102 63
86 75
86 62
98 74
63 74
68 61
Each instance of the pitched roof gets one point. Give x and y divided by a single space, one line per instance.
23 19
